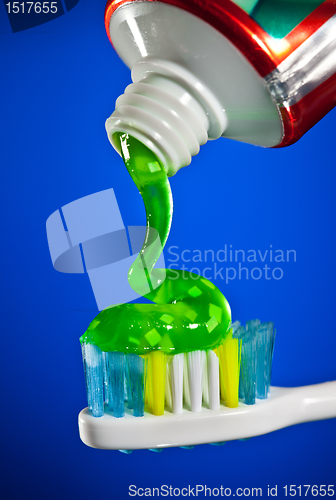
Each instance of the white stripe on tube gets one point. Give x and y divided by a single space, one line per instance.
195 369
213 376
176 382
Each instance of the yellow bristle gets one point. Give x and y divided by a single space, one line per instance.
158 378
229 358
148 382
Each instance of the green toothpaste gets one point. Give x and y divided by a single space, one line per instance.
188 312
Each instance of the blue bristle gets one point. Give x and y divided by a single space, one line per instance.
116 371
248 370
261 361
256 360
106 380
136 374
87 379
272 353
265 344
128 385
234 326
127 388
252 326
93 369
238 332
241 394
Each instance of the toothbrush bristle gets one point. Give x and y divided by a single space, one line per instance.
256 360
158 362
195 372
213 377
93 369
116 371
239 369
176 382
136 384
264 358
229 360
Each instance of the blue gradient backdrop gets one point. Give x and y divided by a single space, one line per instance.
58 84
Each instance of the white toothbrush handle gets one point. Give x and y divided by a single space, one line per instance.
312 402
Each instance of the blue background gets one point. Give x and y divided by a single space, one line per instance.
59 83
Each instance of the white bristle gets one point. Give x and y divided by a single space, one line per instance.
186 390
205 384
168 385
213 377
176 382
195 371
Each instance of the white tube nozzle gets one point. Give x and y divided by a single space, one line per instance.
169 110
